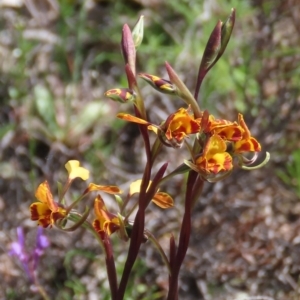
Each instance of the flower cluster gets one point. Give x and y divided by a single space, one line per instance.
219 140
48 212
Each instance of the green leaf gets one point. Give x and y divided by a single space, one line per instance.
45 107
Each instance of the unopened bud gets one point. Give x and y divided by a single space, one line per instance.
138 32
123 95
162 85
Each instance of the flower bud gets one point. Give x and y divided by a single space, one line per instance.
162 85
122 95
138 32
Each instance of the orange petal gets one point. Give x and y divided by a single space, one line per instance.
97 226
101 211
180 124
105 220
111 226
44 195
130 118
230 132
163 200
110 189
242 123
249 145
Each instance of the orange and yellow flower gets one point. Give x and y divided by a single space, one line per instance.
105 222
227 130
247 142
46 211
214 159
178 126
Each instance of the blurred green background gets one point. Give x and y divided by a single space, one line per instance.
57 58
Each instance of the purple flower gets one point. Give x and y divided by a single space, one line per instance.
42 243
29 259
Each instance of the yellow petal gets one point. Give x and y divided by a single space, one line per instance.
214 145
154 128
110 189
163 200
38 209
74 170
215 158
41 213
135 187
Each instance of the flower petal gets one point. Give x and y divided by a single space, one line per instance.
249 145
135 187
44 195
130 118
105 221
74 170
215 158
41 213
180 124
110 189
163 200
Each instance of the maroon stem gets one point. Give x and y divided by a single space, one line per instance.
111 268
139 222
184 238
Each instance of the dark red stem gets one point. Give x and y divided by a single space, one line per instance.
184 238
111 268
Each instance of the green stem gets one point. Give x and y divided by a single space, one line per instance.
42 291
87 225
152 239
131 211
